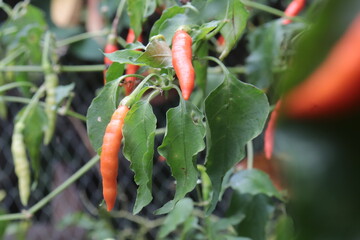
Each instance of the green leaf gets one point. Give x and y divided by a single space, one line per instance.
124 56
136 11
167 14
150 8
169 27
237 15
184 139
264 46
285 228
236 113
157 54
190 225
139 133
254 182
177 216
99 113
3 225
115 71
205 29
201 66
63 92
257 211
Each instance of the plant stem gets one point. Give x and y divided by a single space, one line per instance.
83 68
250 155
223 67
65 184
26 214
36 68
81 37
271 10
117 17
15 85
34 100
27 101
12 56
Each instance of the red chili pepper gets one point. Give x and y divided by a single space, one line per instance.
109 48
334 87
131 69
109 155
221 40
293 10
270 131
181 60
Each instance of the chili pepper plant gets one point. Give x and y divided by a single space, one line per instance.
212 140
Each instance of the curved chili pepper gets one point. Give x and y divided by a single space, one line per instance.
109 155
270 131
181 60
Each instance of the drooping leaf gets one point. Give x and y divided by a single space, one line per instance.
236 113
177 216
124 56
167 14
139 133
254 182
237 16
136 11
157 54
115 71
99 113
184 139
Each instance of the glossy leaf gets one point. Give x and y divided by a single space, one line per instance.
169 26
254 182
167 14
236 113
237 16
115 71
139 133
124 56
99 113
157 54
184 139
177 216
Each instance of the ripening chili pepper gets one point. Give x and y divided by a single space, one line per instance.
181 60
21 164
51 82
334 87
221 40
293 10
109 155
270 131
130 68
109 48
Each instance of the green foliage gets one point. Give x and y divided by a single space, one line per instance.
139 134
184 126
235 114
